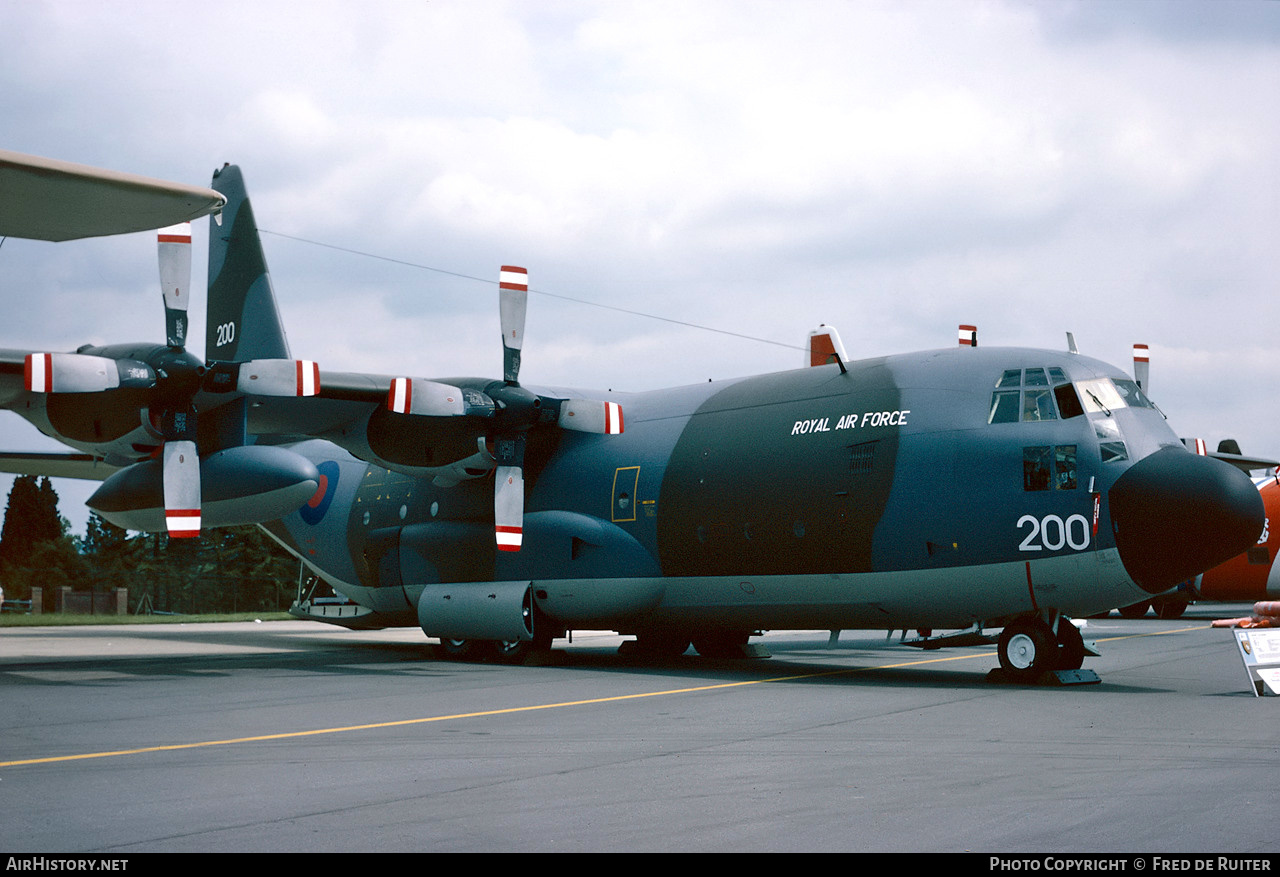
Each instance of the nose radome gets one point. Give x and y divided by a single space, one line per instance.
1176 514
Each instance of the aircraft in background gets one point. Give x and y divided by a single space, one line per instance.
1250 576
944 489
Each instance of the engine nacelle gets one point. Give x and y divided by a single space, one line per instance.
477 611
242 485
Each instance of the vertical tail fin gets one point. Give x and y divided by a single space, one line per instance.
243 320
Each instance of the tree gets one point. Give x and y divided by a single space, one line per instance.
107 552
30 519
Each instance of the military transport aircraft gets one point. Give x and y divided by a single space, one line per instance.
946 489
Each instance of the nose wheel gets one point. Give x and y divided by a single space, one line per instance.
1029 647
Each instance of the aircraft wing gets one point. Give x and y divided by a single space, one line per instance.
343 399
50 200
83 466
1243 463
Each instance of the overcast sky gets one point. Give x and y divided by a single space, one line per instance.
892 169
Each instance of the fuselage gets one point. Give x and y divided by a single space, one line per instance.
937 489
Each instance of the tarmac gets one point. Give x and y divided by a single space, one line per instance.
295 736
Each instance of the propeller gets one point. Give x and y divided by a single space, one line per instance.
1142 367
172 378
968 335
505 410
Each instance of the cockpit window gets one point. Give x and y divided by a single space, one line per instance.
1068 402
1011 378
1004 407
1132 393
1038 404
1029 395
1100 396
1112 452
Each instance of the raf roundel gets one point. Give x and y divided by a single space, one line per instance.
316 507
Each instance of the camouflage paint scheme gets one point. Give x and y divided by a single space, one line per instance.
871 494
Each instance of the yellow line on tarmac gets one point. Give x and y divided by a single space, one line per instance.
1112 639
288 735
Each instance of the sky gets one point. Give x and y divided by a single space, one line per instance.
692 186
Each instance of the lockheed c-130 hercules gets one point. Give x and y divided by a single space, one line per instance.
954 489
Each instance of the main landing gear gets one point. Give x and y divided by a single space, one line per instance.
501 651
1030 647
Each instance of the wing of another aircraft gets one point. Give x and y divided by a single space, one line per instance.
85 467
50 200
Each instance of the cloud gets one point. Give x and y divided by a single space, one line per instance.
889 168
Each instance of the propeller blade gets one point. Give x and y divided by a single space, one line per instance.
182 488
279 377
589 415
410 396
513 301
82 373
508 491
508 507
1142 367
968 335
174 245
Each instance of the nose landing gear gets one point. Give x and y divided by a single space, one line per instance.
1031 646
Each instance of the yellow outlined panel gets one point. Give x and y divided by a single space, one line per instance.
625 481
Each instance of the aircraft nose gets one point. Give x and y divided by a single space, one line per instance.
1176 514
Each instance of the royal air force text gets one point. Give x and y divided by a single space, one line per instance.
852 421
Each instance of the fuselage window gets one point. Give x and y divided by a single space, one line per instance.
1064 467
1035 468
1045 468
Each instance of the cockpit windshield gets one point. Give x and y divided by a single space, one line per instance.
1033 394
1100 396
1104 395
1133 394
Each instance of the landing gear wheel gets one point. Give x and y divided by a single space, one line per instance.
721 644
460 649
1070 646
1169 608
1137 610
516 651
1027 649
